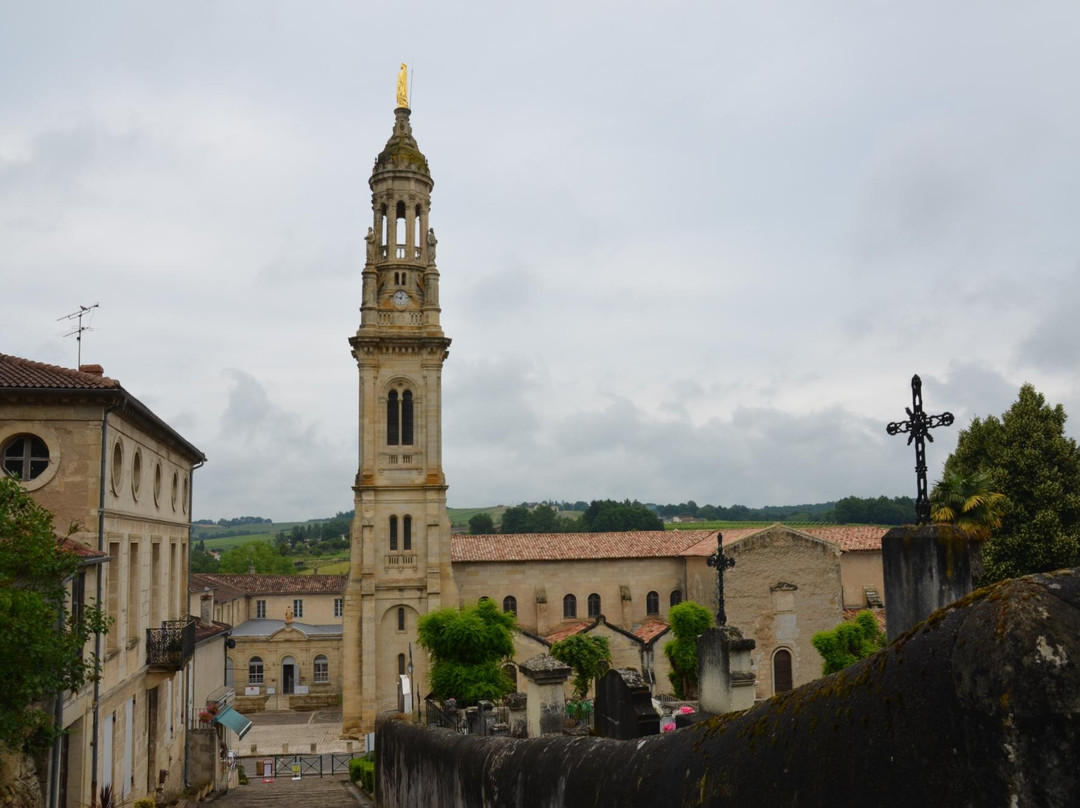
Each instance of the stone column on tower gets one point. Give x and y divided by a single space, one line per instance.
400 552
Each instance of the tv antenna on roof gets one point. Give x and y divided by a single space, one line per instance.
78 315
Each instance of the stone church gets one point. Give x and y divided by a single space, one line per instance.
404 564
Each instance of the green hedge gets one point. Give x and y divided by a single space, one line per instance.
362 772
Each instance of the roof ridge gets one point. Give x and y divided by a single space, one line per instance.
91 378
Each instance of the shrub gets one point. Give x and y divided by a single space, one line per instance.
145 802
362 772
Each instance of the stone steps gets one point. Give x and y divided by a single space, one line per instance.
311 792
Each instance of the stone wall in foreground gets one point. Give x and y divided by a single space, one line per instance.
979 705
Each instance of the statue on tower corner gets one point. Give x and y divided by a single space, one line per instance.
431 242
403 87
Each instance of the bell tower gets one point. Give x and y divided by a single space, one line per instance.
400 549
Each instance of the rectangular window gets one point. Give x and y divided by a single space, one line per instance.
339 607
298 607
260 610
255 671
322 670
112 638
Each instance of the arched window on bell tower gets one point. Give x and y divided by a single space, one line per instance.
399 230
393 533
406 538
383 234
399 418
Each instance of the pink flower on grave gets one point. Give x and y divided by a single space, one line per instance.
686 709
667 728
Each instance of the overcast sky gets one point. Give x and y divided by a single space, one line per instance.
688 250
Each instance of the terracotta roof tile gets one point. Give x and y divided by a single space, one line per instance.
567 631
16 372
851 538
573 546
81 550
205 632
271 584
650 630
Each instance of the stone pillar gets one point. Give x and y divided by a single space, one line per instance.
725 679
925 567
546 708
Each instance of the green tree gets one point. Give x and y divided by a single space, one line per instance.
970 503
468 647
42 640
481 524
544 519
202 561
606 515
849 642
260 554
589 656
1029 459
688 620
515 520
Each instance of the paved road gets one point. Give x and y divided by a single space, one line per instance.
274 731
311 792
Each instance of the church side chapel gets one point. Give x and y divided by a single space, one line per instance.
787 584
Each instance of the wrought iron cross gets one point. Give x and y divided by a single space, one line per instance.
721 562
918 426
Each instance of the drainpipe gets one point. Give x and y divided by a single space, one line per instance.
189 689
98 595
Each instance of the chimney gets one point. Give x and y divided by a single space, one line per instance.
93 370
206 608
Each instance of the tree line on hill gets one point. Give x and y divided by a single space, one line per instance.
599 516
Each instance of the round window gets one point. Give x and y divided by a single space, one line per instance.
136 473
183 502
117 466
26 457
175 489
157 483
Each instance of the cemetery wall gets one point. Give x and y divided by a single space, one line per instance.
977 706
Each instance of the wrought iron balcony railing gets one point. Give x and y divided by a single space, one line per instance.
172 645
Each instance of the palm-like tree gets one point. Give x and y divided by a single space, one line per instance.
969 502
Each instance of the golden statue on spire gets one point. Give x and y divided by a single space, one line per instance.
403 87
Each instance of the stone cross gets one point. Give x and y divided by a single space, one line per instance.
721 562
918 427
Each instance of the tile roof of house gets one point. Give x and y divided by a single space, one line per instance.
23 377
206 632
25 373
650 630
576 546
83 551
851 538
567 631
255 584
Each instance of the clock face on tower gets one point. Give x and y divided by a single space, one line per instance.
401 298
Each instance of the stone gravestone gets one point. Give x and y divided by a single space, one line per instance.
516 706
546 697
725 678
624 707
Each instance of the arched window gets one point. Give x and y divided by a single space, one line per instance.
510 604
510 669
401 664
393 419
255 671
393 533
382 228
676 597
401 618
594 605
400 230
406 418
406 538
781 670
652 603
569 606
322 670
399 418
26 456
483 598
